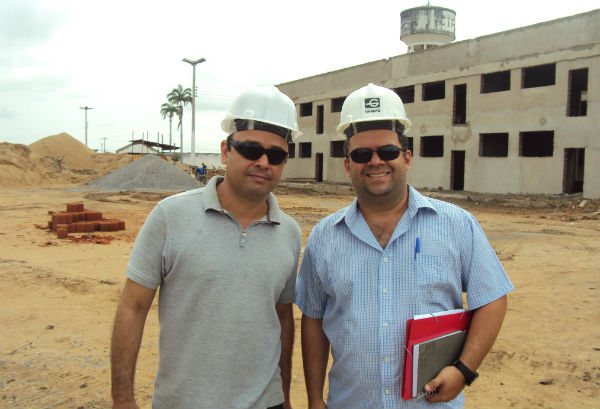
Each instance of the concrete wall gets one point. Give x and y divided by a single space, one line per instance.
569 43
212 160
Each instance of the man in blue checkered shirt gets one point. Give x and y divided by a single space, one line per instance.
390 255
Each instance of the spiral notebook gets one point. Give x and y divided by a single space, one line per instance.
430 357
429 332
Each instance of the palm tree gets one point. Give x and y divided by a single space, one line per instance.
169 110
180 97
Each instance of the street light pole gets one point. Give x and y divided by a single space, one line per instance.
193 63
86 125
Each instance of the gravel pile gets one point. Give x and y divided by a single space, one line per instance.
147 172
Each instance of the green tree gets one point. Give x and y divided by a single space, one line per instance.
180 97
169 110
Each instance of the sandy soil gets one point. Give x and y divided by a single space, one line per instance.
58 299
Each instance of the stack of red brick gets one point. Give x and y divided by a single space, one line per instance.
78 220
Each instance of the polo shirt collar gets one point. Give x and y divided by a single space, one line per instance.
211 201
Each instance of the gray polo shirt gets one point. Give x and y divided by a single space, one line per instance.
219 332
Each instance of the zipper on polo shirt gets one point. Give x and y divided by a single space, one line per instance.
243 235
243 239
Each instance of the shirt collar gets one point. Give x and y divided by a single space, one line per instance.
416 201
211 200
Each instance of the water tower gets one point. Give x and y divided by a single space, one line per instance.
427 26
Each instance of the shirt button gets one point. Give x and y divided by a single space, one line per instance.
385 259
386 359
385 325
387 391
384 290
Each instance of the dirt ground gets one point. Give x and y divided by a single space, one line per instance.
58 298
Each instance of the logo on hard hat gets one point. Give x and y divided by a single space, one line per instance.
372 105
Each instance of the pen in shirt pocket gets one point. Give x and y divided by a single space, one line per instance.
417 247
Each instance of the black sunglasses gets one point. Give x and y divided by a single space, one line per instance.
387 152
253 151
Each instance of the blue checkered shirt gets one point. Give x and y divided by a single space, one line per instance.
365 294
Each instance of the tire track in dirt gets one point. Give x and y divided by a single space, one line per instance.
20 271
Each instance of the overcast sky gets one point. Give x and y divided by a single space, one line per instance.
122 57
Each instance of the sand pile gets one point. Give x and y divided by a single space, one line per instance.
21 167
74 154
56 159
77 157
147 172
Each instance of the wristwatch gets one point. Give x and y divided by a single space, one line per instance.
469 375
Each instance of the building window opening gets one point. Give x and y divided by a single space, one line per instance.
495 82
459 116
337 149
536 144
305 150
578 85
291 150
306 109
337 103
494 145
538 76
434 90
432 146
406 94
320 110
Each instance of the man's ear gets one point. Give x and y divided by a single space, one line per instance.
408 159
224 152
347 166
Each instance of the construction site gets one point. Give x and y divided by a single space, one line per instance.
60 292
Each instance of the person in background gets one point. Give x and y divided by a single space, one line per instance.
225 306
390 255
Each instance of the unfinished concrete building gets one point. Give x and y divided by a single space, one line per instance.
512 112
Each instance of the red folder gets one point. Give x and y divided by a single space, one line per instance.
423 328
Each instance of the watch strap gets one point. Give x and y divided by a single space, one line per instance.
469 375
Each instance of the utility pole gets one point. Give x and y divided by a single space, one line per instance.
86 123
193 63
104 144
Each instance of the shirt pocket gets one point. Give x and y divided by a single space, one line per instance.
439 280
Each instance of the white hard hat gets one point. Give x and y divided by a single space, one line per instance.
264 104
372 103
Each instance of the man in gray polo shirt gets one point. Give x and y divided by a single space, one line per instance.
225 258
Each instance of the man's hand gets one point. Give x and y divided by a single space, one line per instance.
485 325
447 384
